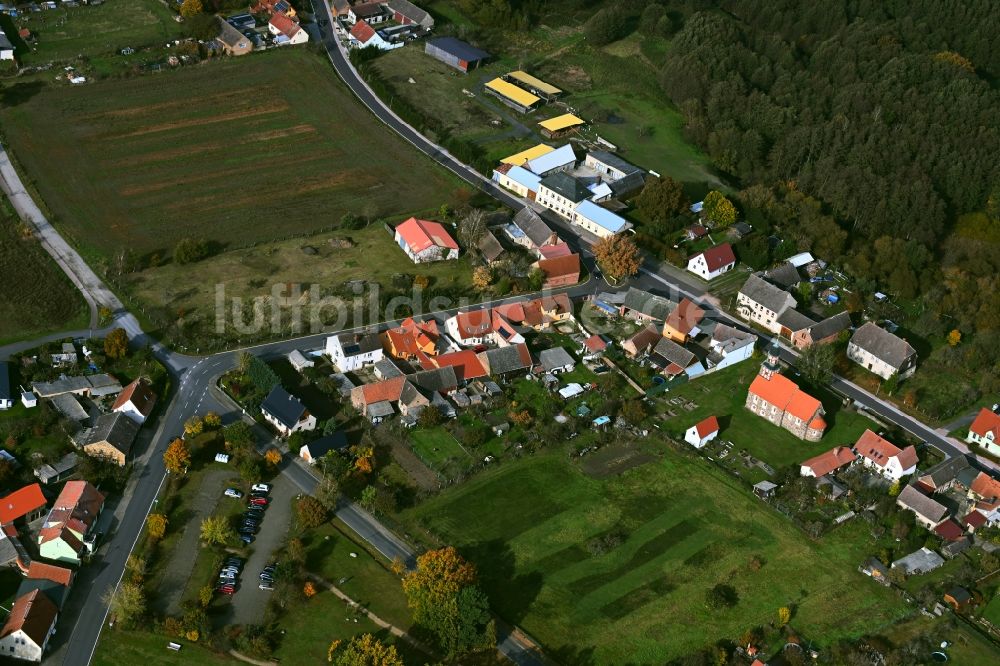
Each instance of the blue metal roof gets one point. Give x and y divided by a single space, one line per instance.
559 157
601 216
525 178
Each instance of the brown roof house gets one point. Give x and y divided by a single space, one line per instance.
31 624
64 535
111 437
561 271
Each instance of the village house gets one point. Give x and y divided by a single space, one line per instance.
286 30
465 363
517 179
313 451
362 35
702 433
985 431
884 457
111 438
826 463
470 328
455 53
369 12
559 272
946 475
489 248
353 351
410 393
424 240
30 625
57 471
95 386
672 359
528 230
136 401
52 580
597 220
73 517
405 12
561 192
67 357
270 7
928 511
233 42
556 360
823 332
286 412
712 262
299 361
25 505
881 352
411 338
553 161
593 346
779 400
623 176
642 341
985 490
784 275
683 322
761 302
729 346
644 307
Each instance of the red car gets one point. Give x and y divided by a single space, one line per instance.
258 501
226 589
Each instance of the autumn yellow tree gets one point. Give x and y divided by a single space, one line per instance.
273 457
718 210
364 458
617 256
784 615
309 589
194 426
156 525
191 8
310 512
116 344
212 420
363 650
954 337
482 278
216 530
177 458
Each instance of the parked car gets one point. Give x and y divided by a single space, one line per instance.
261 487
266 587
227 589
246 537
259 501
235 494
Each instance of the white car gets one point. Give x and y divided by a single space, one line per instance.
266 587
261 487
232 492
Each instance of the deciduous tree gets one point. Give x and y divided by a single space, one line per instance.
190 8
954 337
363 650
177 458
718 210
310 512
273 457
127 603
661 198
156 525
617 256
195 425
816 362
784 615
721 596
215 530
116 343
482 278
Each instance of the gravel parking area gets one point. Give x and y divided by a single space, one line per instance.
249 601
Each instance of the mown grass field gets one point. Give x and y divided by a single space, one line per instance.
723 394
37 297
684 527
238 152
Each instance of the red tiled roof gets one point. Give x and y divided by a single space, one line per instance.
560 267
557 303
685 317
877 449
986 422
908 457
33 613
389 389
362 32
987 488
595 343
42 571
974 519
697 230
718 256
707 426
782 392
818 423
833 459
284 25
412 337
140 395
422 234
949 530
503 168
21 502
554 251
465 362
474 324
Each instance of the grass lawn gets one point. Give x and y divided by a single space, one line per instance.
145 647
723 394
102 31
439 449
683 527
37 297
992 611
37 433
237 152
968 647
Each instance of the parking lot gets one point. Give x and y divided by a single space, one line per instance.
249 601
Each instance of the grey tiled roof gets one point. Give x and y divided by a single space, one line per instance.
567 186
785 275
831 326
614 161
556 357
528 221
882 344
283 406
794 320
916 501
648 304
761 291
671 352
116 429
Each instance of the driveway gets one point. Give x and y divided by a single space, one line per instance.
249 601
178 569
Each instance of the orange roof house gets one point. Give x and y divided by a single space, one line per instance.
885 457
778 399
985 431
411 338
986 490
466 363
71 519
42 571
29 627
824 463
470 327
27 502
684 319
424 240
136 401
560 271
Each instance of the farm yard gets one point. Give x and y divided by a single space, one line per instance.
37 297
236 153
611 568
